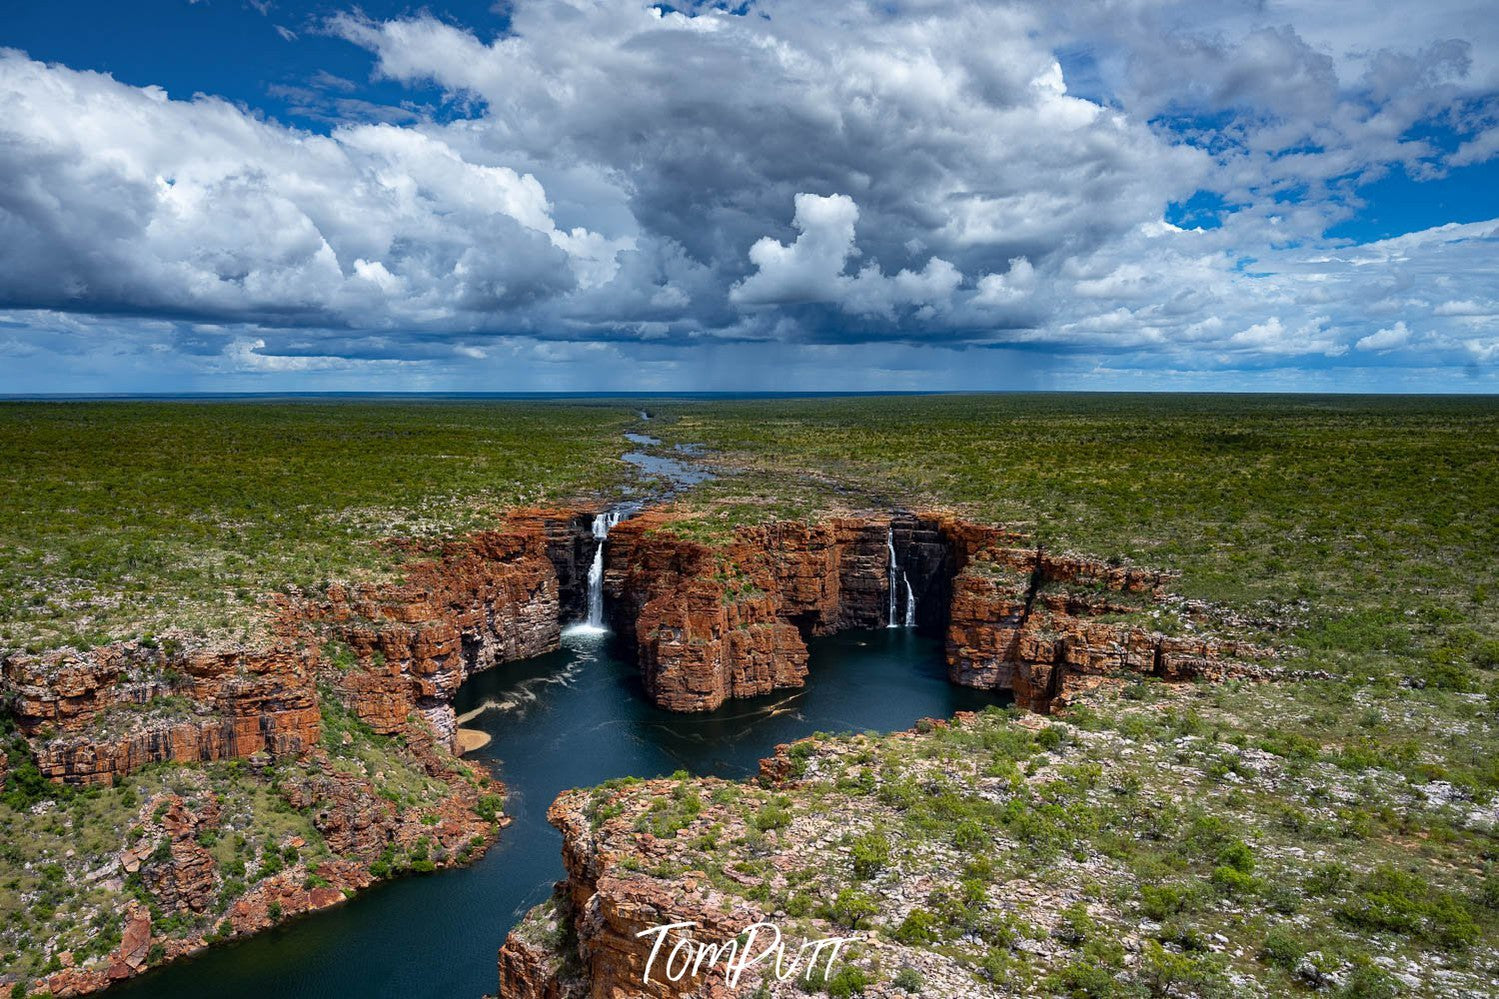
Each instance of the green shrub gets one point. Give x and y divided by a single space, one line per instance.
851 908
919 927
1283 947
871 851
909 979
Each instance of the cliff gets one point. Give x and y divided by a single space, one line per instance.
709 623
309 709
344 668
1045 625
97 715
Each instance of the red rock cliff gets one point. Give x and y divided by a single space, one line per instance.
713 622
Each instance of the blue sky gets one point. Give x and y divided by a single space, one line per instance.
606 195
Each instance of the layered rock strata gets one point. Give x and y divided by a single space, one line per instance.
586 941
395 653
93 716
709 623
489 598
1041 625
391 655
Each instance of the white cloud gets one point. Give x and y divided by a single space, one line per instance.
809 269
1386 339
951 173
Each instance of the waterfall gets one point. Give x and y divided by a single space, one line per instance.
898 576
601 524
890 544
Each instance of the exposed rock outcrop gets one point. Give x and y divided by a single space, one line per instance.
1039 624
96 715
709 623
607 901
489 598
392 655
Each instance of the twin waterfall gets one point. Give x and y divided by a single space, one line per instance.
594 623
909 621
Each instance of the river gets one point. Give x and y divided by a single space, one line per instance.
573 718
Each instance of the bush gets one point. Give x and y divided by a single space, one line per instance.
871 852
908 978
970 835
1393 901
849 981
1237 855
1084 980
771 816
1232 881
851 908
1160 902
919 927
1283 948
1368 982
488 806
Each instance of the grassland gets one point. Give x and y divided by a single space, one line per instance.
1336 833
119 519
1366 527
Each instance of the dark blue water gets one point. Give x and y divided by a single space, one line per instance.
574 718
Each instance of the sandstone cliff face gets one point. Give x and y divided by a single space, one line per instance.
487 599
490 598
704 627
607 900
709 624
96 715
1039 624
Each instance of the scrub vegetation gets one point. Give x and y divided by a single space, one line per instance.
119 519
1335 830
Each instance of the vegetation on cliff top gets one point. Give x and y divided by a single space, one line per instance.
1362 530
126 518
1169 845
64 876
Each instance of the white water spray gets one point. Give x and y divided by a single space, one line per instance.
910 602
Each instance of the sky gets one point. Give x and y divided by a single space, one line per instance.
605 195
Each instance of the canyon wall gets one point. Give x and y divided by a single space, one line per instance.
395 653
588 944
712 622
1044 626
92 716
706 622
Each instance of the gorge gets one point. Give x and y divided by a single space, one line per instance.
692 654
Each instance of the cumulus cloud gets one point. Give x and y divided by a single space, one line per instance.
811 269
123 200
640 177
1386 339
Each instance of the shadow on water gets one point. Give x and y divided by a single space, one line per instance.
573 718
